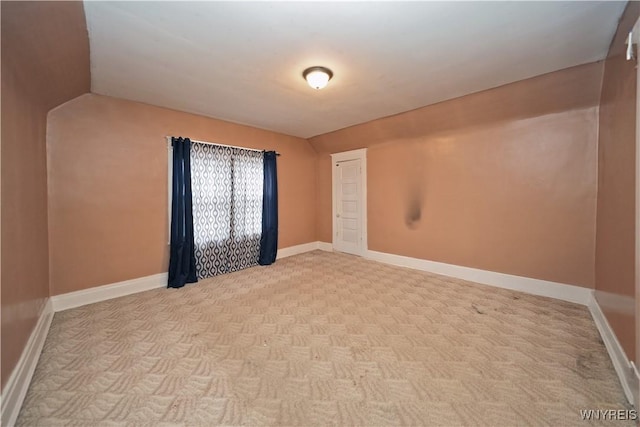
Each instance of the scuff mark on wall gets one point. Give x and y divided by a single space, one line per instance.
415 185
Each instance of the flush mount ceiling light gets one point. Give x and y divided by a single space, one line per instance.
317 77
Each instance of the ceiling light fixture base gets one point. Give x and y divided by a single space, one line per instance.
317 77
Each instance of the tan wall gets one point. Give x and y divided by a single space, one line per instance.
615 236
45 61
502 180
107 161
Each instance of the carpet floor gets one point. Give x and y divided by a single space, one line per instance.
323 339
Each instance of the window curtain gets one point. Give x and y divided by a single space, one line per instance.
269 240
182 264
227 208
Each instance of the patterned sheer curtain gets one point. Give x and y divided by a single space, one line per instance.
227 185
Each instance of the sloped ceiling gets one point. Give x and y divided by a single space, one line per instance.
243 61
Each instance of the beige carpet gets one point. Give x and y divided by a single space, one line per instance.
323 339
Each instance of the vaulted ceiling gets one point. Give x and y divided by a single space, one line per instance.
243 61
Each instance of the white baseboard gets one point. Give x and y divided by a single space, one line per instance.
141 284
623 304
528 285
324 246
295 250
305 247
571 293
624 368
106 292
17 385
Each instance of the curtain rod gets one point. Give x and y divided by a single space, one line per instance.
220 145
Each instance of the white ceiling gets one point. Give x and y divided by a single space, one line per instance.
243 61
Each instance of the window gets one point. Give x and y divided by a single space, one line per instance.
227 189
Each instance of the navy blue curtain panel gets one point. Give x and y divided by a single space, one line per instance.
182 261
269 239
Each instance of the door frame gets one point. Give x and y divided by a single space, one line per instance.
360 154
636 40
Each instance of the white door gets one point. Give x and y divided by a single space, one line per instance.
348 206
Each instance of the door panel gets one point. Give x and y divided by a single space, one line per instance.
348 206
